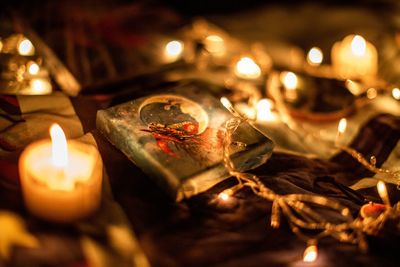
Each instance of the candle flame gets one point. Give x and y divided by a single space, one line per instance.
396 93
310 254
358 45
247 68
25 48
315 56
59 146
289 80
342 125
382 191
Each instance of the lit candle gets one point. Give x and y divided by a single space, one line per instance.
246 68
354 57
60 180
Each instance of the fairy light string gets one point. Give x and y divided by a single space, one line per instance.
303 211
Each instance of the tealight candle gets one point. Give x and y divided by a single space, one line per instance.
61 181
354 58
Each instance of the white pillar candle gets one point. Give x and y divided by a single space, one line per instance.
354 58
61 181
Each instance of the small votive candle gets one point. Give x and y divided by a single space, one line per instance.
61 181
354 58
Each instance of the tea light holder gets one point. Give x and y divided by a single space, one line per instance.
61 181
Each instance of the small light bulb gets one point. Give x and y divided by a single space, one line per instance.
226 103
25 47
215 45
223 196
33 68
174 50
289 80
264 110
315 56
382 191
396 93
246 68
310 254
40 87
358 45
342 125
372 93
